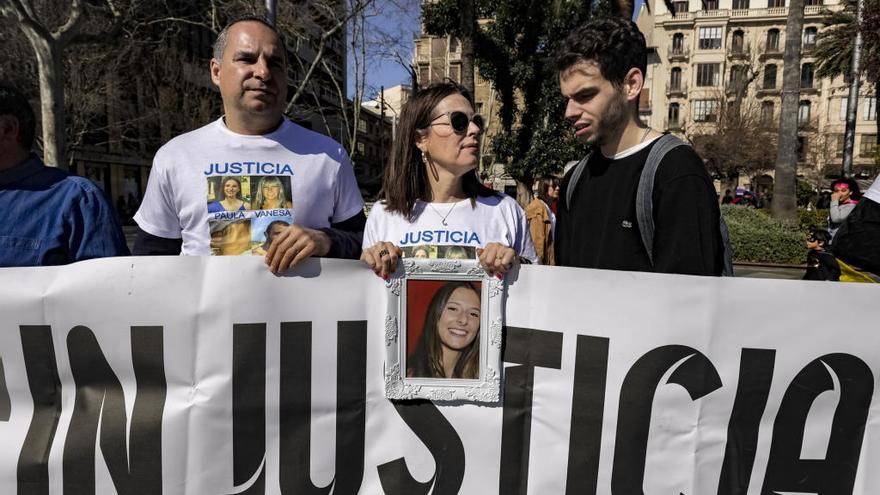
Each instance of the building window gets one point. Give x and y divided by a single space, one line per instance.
810 37
672 115
838 145
710 38
806 76
812 2
740 4
710 4
675 79
775 3
736 77
708 74
438 47
770 77
362 125
677 43
867 145
773 40
844 102
803 146
804 112
767 112
455 73
737 44
424 75
870 112
360 147
705 110
454 45
679 7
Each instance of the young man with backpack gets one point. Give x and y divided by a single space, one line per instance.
640 200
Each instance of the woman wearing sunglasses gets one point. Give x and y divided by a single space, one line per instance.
431 194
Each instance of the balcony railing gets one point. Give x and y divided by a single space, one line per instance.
740 52
673 90
766 91
778 12
806 124
674 124
733 87
771 53
678 54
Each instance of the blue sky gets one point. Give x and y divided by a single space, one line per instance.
394 25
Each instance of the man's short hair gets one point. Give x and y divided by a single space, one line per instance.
220 43
14 103
614 43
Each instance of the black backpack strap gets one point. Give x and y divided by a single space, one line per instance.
727 271
645 192
575 177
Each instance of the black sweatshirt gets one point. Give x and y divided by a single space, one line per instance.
599 228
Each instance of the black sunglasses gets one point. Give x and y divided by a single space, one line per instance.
459 121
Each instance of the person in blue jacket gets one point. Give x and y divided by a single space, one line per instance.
47 216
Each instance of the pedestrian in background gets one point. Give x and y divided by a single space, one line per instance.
542 219
821 264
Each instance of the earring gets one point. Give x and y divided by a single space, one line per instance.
425 157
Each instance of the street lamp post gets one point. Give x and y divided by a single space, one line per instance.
271 10
852 102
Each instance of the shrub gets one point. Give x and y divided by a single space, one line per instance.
758 238
813 219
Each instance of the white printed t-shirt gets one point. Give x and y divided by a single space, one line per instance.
291 175
494 219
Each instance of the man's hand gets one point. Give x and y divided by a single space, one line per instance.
294 245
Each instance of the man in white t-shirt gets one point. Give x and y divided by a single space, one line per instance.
215 190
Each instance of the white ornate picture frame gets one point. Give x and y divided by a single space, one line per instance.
485 388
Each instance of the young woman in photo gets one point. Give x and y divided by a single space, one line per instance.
270 195
449 346
232 199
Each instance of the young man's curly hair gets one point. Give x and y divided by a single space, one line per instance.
616 44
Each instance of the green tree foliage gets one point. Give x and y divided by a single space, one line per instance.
835 43
514 52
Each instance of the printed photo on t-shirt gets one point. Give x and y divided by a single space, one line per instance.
458 252
230 237
228 193
433 251
424 251
264 230
270 192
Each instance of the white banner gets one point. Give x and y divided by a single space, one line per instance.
212 376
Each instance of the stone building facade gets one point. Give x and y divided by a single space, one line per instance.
704 52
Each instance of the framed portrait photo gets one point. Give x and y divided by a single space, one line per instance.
443 332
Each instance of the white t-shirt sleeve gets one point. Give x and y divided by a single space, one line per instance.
348 200
157 214
371 233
